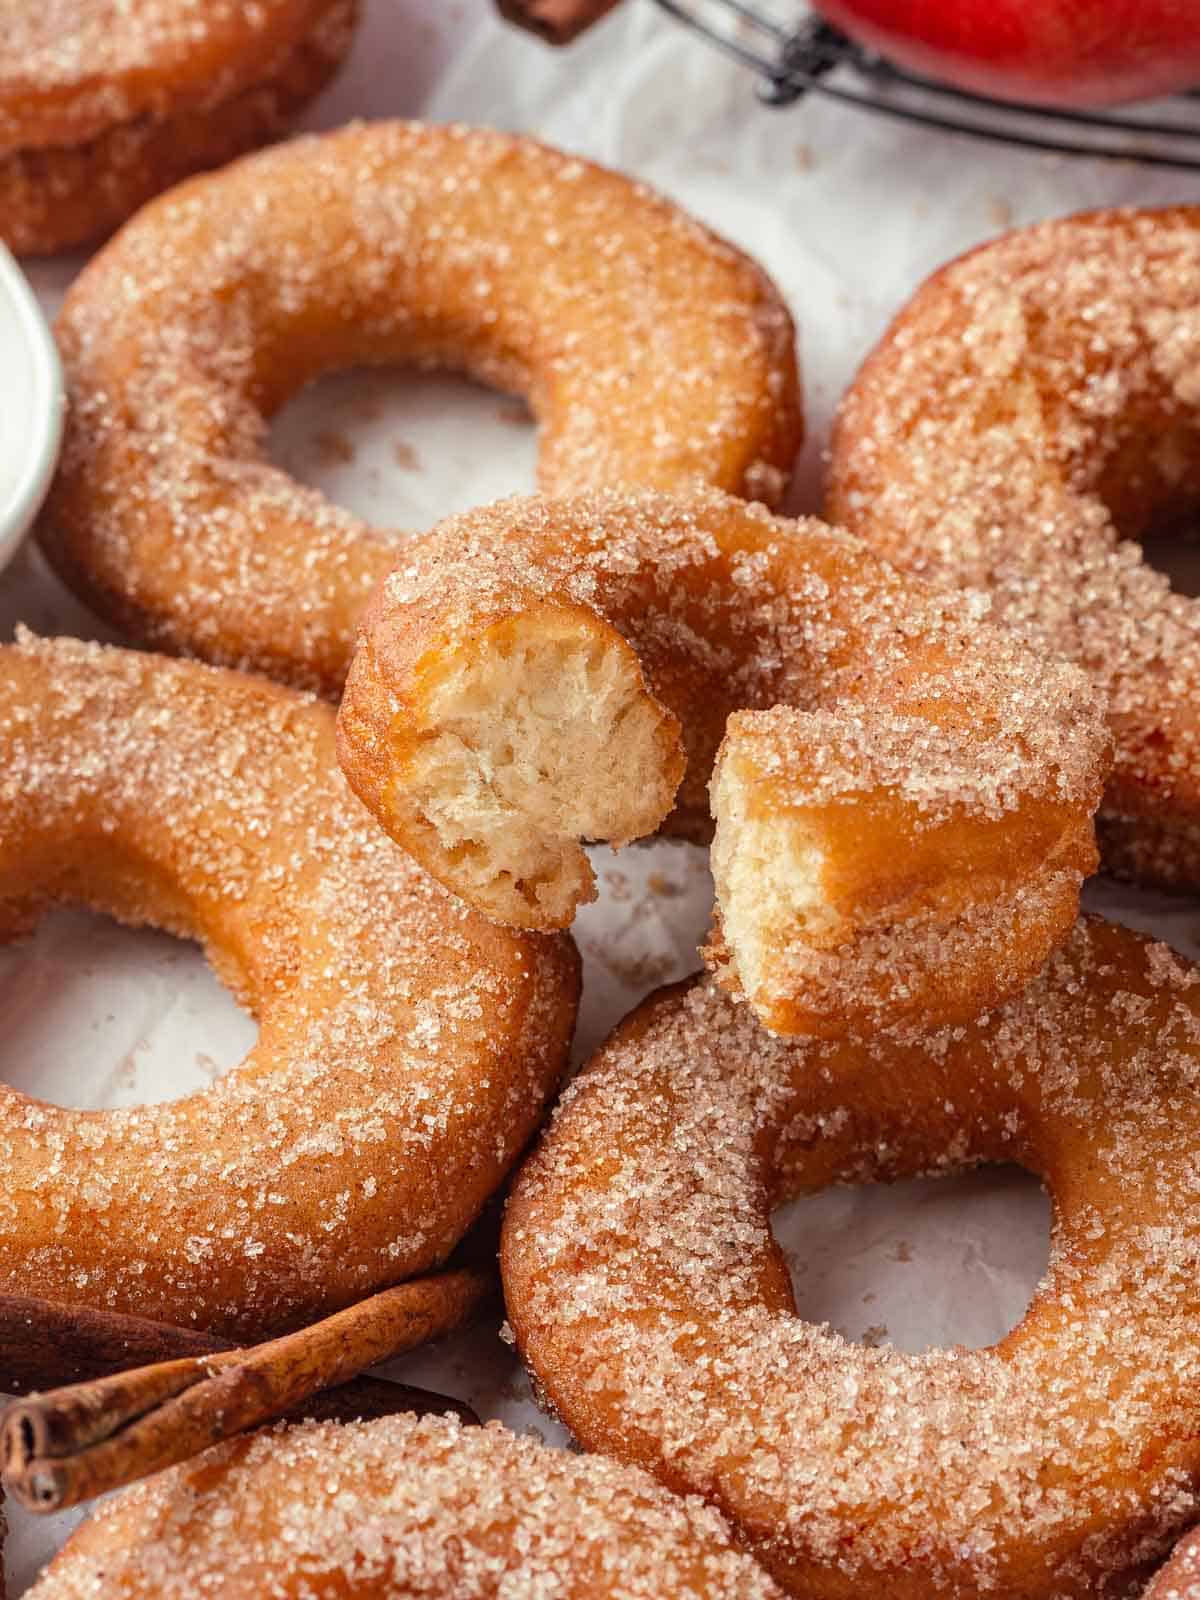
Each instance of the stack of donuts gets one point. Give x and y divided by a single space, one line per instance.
361 769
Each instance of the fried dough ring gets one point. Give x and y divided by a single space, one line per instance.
1033 409
71 69
402 1507
903 812
651 351
652 1302
406 1050
58 195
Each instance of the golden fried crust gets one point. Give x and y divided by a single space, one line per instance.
904 811
1031 410
406 1049
1179 1579
654 1306
73 69
650 350
403 1507
56 196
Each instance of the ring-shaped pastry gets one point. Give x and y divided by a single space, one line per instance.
1031 411
104 105
407 1048
903 795
650 351
402 1509
654 1306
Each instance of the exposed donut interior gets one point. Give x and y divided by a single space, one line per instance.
535 735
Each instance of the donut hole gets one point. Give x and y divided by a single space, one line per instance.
403 448
1147 474
532 737
1147 479
1172 547
923 1264
98 1015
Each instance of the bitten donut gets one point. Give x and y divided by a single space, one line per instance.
402 1508
406 1050
903 797
1179 1579
650 351
1034 409
103 105
650 1299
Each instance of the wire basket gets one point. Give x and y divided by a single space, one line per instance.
792 60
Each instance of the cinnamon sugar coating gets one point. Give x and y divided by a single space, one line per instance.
1179 1579
941 776
402 1507
650 350
407 1048
653 1305
58 193
72 69
1032 411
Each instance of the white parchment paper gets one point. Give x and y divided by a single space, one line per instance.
847 213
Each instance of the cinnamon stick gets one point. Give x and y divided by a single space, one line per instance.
77 1442
555 21
45 1345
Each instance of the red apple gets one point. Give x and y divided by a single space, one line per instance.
1050 52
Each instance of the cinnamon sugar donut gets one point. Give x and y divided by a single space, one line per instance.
903 797
1029 413
651 352
402 1508
650 1299
103 105
406 1049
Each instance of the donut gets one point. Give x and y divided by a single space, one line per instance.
1032 412
105 104
654 1306
402 1507
1179 1579
903 797
651 352
406 1050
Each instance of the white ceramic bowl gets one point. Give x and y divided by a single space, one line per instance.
31 406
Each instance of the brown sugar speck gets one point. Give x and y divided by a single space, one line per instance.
333 449
999 211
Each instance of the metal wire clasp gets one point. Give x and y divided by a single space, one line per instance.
795 59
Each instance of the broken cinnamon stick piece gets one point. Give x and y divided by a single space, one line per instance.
72 1444
45 1344
555 21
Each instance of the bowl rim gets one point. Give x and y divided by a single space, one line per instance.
40 437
